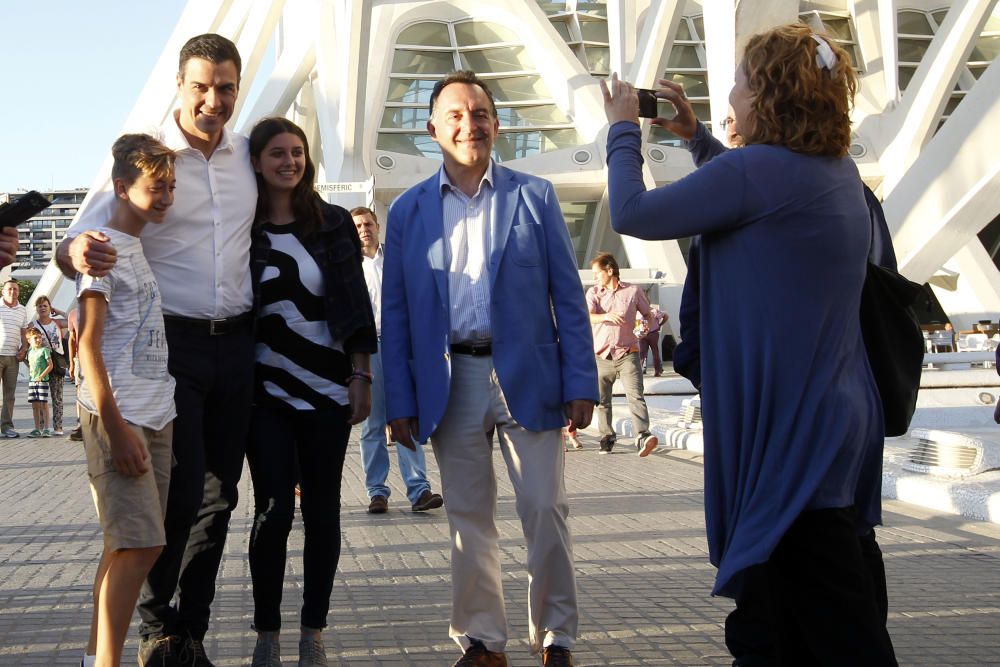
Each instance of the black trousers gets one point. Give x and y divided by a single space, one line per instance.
820 599
288 446
214 376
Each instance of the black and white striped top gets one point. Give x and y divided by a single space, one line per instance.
297 357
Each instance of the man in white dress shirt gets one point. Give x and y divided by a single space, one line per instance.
201 261
374 450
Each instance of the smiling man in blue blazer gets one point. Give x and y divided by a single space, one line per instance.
486 333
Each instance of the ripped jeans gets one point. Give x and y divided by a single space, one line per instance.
288 447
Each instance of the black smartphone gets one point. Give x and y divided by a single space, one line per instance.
25 206
647 103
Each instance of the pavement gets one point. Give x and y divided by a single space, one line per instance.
641 563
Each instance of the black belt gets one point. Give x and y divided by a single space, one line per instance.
473 349
216 327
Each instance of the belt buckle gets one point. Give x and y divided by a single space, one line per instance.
220 323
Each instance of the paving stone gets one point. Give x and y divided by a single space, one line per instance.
640 554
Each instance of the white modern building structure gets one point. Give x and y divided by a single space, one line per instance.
357 75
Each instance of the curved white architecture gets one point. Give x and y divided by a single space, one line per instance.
356 74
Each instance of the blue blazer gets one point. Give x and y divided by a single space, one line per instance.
542 346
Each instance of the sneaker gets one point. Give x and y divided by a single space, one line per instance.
159 651
76 435
557 656
267 652
192 654
607 444
35 433
46 433
378 505
477 655
58 432
646 443
11 433
312 653
427 501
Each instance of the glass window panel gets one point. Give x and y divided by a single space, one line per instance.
599 8
853 53
905 74
519 89
405 118
838 27
912 50
422 62
552 7
695 85
939 15
703 111
952 104
503 59
429 33
562 28
412 91
913 23
699 27
557 139
594 31
598 60
986 49
514 145
977 70
546 114
682 56
683 32
657 135
409 144
472 33
579 217
580 51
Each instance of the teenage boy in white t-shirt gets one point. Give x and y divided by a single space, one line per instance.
127 396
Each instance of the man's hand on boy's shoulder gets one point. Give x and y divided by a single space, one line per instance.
128 453
90 253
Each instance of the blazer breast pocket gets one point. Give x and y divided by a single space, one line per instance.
525 244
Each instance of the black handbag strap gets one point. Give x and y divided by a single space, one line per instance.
48 338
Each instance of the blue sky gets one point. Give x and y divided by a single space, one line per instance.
71 72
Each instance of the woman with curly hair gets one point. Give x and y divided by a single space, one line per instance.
793 420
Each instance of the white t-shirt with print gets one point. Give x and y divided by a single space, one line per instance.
134 345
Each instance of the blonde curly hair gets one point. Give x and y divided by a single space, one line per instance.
796 102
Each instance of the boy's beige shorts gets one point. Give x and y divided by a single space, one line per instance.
131 509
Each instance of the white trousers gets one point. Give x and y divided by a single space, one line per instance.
463 446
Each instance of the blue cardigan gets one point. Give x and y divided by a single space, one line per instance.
791 410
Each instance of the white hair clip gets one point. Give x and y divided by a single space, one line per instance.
825 57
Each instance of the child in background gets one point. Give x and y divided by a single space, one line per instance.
127 395
39 367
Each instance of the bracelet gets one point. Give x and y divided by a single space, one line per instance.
360 375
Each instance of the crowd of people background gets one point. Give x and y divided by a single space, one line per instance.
470 329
